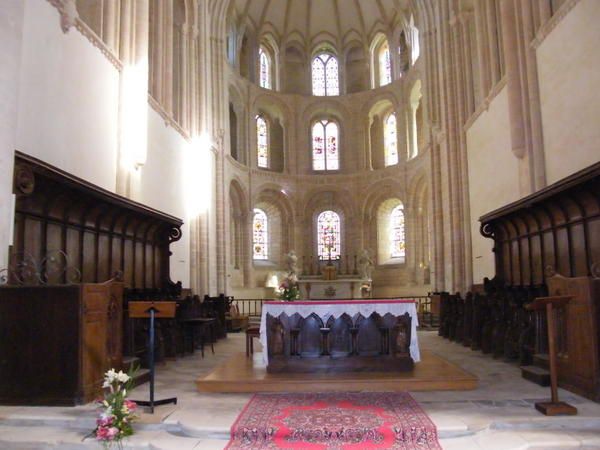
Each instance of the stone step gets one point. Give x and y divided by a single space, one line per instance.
536 374
541 360
141 376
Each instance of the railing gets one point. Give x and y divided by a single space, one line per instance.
252 307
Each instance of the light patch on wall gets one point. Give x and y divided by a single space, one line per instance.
134 116
198 175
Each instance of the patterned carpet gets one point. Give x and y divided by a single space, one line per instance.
333 421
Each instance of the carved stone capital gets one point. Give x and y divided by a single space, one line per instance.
68 13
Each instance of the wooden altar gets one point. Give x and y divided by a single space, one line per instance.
339 336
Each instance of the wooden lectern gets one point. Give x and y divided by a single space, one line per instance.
554 407
152 310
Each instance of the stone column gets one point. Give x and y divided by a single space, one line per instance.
414 133
133 92
492 39
11 36
110 25
167 56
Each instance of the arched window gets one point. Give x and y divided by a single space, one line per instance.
260 235
329 235
390 140
262 142
325 145
325 75
396 230
385 64
265 69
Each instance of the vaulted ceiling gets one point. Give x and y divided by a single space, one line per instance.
311 22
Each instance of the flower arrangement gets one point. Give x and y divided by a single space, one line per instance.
118 413
289 289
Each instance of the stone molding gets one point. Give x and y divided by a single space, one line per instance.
88 33
551 24
68 13
70 18
485 104
168 118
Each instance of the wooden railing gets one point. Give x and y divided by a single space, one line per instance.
252 307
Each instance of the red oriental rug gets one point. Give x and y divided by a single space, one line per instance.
333 421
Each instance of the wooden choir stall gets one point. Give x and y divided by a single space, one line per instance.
63 312
339 336
546 245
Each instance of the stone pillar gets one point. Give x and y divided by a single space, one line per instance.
492 39
133 101
110 25
11 36
414 133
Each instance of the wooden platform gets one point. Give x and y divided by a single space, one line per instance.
242 374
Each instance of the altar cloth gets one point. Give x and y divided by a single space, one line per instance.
327 308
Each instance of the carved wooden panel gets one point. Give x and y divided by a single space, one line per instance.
368 341
310 336
555 230
578 357
340 337
102 233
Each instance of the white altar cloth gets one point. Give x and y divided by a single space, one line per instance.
327 308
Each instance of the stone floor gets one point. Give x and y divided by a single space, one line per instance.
499 414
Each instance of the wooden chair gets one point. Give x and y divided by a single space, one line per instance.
251 332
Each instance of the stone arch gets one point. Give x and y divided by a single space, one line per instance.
332 198
421 222
295 74
377 194
375 129
416 115
379 40
280 216
238 237
237 130
276 113
356 74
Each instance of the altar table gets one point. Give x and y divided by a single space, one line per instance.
331 308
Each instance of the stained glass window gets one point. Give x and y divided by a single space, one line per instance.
325 75
385 65
262 142
390 140
260 235
265 69
325 146
397 238
329 235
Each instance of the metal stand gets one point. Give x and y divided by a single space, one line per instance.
152 311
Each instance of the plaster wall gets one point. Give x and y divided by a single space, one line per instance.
493 176
68 99
68 116
569 75
11 28
163 186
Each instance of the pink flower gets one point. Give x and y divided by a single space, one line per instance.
112 433
130 405
106 433
102 434
105 421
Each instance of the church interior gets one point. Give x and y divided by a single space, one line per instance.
298 213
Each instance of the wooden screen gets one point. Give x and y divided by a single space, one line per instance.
68 230
555 230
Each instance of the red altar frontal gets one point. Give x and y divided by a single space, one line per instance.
339 336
